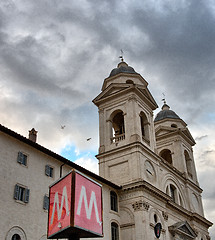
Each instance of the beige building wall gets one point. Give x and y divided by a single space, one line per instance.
29 220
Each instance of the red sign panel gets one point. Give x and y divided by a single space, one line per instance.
88 204
75 207
60 205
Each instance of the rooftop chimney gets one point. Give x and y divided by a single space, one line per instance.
33 135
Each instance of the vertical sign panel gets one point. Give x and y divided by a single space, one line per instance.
88 205
60 206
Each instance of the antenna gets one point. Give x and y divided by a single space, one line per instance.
121 56
164 99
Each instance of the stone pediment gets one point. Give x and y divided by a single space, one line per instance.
187 133
147 94
116 88
183 230
161 130
112 89
184 132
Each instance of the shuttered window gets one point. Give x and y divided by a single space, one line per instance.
22 158
46 202
21 193
49 171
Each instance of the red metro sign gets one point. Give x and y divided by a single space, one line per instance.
75 207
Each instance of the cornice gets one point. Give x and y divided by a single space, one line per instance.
170 119
131 75
175 133
163 162
143 185
127 88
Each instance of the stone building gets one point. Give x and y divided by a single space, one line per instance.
152 160
146 169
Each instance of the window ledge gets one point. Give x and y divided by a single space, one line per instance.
20 202
114 212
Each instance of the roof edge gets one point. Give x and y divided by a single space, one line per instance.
56 156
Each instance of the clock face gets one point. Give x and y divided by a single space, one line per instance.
149 170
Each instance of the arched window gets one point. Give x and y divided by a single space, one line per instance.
114 231
144 126
188 164
16 237
155 218
113 201
174 126
16 233
118 127
166 154
172 190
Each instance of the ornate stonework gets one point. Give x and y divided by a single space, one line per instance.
140 205
165 215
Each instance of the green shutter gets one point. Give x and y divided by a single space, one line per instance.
46 202
16 192
47 170
27 193
19 158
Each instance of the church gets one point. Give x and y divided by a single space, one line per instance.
147 170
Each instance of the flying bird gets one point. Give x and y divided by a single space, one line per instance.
88 139
63 126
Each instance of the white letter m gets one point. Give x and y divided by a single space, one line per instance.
92 201
60 208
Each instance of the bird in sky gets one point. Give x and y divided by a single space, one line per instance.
63 126
88 139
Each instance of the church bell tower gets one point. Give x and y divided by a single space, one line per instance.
125 124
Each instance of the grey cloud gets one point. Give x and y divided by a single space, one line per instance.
201 137
55 54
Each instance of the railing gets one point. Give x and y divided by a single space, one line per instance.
118 138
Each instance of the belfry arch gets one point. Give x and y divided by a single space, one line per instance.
166 155
144 126
118 126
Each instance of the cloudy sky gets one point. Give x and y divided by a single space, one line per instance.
54 56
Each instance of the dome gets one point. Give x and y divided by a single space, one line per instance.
122 68
166 113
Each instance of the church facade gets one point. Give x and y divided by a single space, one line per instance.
152 159
147 170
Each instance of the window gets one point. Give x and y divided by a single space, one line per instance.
172 192
46 202
22 158
155 218
49 171
16 237
118 127
167 155
144 126
114 231
113 201
21 193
